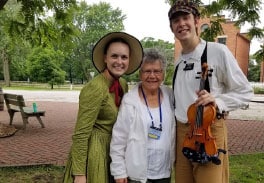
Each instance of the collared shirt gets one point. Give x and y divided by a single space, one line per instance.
228 84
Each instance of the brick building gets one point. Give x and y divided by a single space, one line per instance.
237 42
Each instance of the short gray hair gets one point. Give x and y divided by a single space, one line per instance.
152 55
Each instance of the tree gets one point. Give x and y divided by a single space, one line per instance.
254 67
26 20
34 13
92 23
73 32
7 16
253 71
259 55
167 49
19 50
44 65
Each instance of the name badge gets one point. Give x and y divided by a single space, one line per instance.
154 133
188 66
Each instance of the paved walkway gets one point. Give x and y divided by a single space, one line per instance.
50 145
36 145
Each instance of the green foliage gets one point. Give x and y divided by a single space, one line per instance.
26 20
132 77
244 11
44 65
169 74
255 32
69 27
18 53
259 55
34 26
214 30
12 49
92 22
253 71
7 17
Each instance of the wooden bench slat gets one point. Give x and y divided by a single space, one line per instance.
15 102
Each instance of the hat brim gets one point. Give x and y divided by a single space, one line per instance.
179 12
136 51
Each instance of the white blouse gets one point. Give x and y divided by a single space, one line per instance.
158 151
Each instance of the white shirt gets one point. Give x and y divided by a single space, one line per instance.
228 83
158 151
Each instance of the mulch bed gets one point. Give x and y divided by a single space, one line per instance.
7 130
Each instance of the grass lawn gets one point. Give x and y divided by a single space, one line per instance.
247 168
243 169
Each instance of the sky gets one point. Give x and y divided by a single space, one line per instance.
149 18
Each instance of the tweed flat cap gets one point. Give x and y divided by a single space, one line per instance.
188 6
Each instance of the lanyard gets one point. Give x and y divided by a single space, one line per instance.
160 111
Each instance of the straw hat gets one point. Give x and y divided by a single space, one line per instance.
136 51
188 6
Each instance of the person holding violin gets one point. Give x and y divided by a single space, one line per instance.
201 105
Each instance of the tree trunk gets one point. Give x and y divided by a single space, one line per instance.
5 68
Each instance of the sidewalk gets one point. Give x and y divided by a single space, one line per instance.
50 145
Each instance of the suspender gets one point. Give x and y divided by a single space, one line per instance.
203 60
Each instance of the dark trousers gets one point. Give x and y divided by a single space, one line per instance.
165 180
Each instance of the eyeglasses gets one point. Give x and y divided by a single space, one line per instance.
149 72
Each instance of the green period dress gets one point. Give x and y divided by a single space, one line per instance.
89 154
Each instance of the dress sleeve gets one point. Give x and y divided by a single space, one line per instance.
90 100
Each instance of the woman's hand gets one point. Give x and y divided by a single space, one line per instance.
80 179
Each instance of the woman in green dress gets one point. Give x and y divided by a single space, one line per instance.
115 54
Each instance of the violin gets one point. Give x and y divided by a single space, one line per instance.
199 144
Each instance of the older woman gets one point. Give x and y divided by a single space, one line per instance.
142 145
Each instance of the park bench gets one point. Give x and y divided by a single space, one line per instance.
16 103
